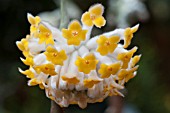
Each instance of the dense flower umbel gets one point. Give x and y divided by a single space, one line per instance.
74 68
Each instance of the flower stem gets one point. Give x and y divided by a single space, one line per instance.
55 108
63 14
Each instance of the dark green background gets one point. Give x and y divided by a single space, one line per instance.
148 92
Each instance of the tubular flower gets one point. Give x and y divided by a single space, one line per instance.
55 56
74 68
108 70
129 35
126 56
74 34
107 45
88 61
23 46
48 69
127 74
34 21
45 35
94 16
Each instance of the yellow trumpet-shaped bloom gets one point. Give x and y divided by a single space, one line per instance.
74 34
89 83
28 61
135 60
28 73
107 45
129 35
45 35
94 16
107 70
71 80
34 21
36 81
48 69
23 46
86 64
127 74
56 57
126 56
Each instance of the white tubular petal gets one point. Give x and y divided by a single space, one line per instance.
88 32
93 75
118 50
72 68
57 34
54 79
64 68
103 59
83 51
95 91
68 49
80 85
35 48
40 59
117 32
91 44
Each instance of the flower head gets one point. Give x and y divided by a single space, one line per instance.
89 61
56 57
74 68
94 16
74 34
107 45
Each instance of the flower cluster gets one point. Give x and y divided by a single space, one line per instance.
74 68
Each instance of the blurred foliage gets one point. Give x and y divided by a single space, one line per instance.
148 91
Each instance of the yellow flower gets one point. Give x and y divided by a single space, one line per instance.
55 56
23 46
94 16
74 34
135 60
36 81
45 35
86 64
48 69
127 74
28 73
107 70
28 61
34 21
89 83
107 45
71 80
129 35
126 56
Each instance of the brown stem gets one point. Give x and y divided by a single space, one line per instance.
55 108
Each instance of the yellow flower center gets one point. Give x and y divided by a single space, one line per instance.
87 62
110 68
47 35
74 33
92 17
46 68
107 43
55 54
